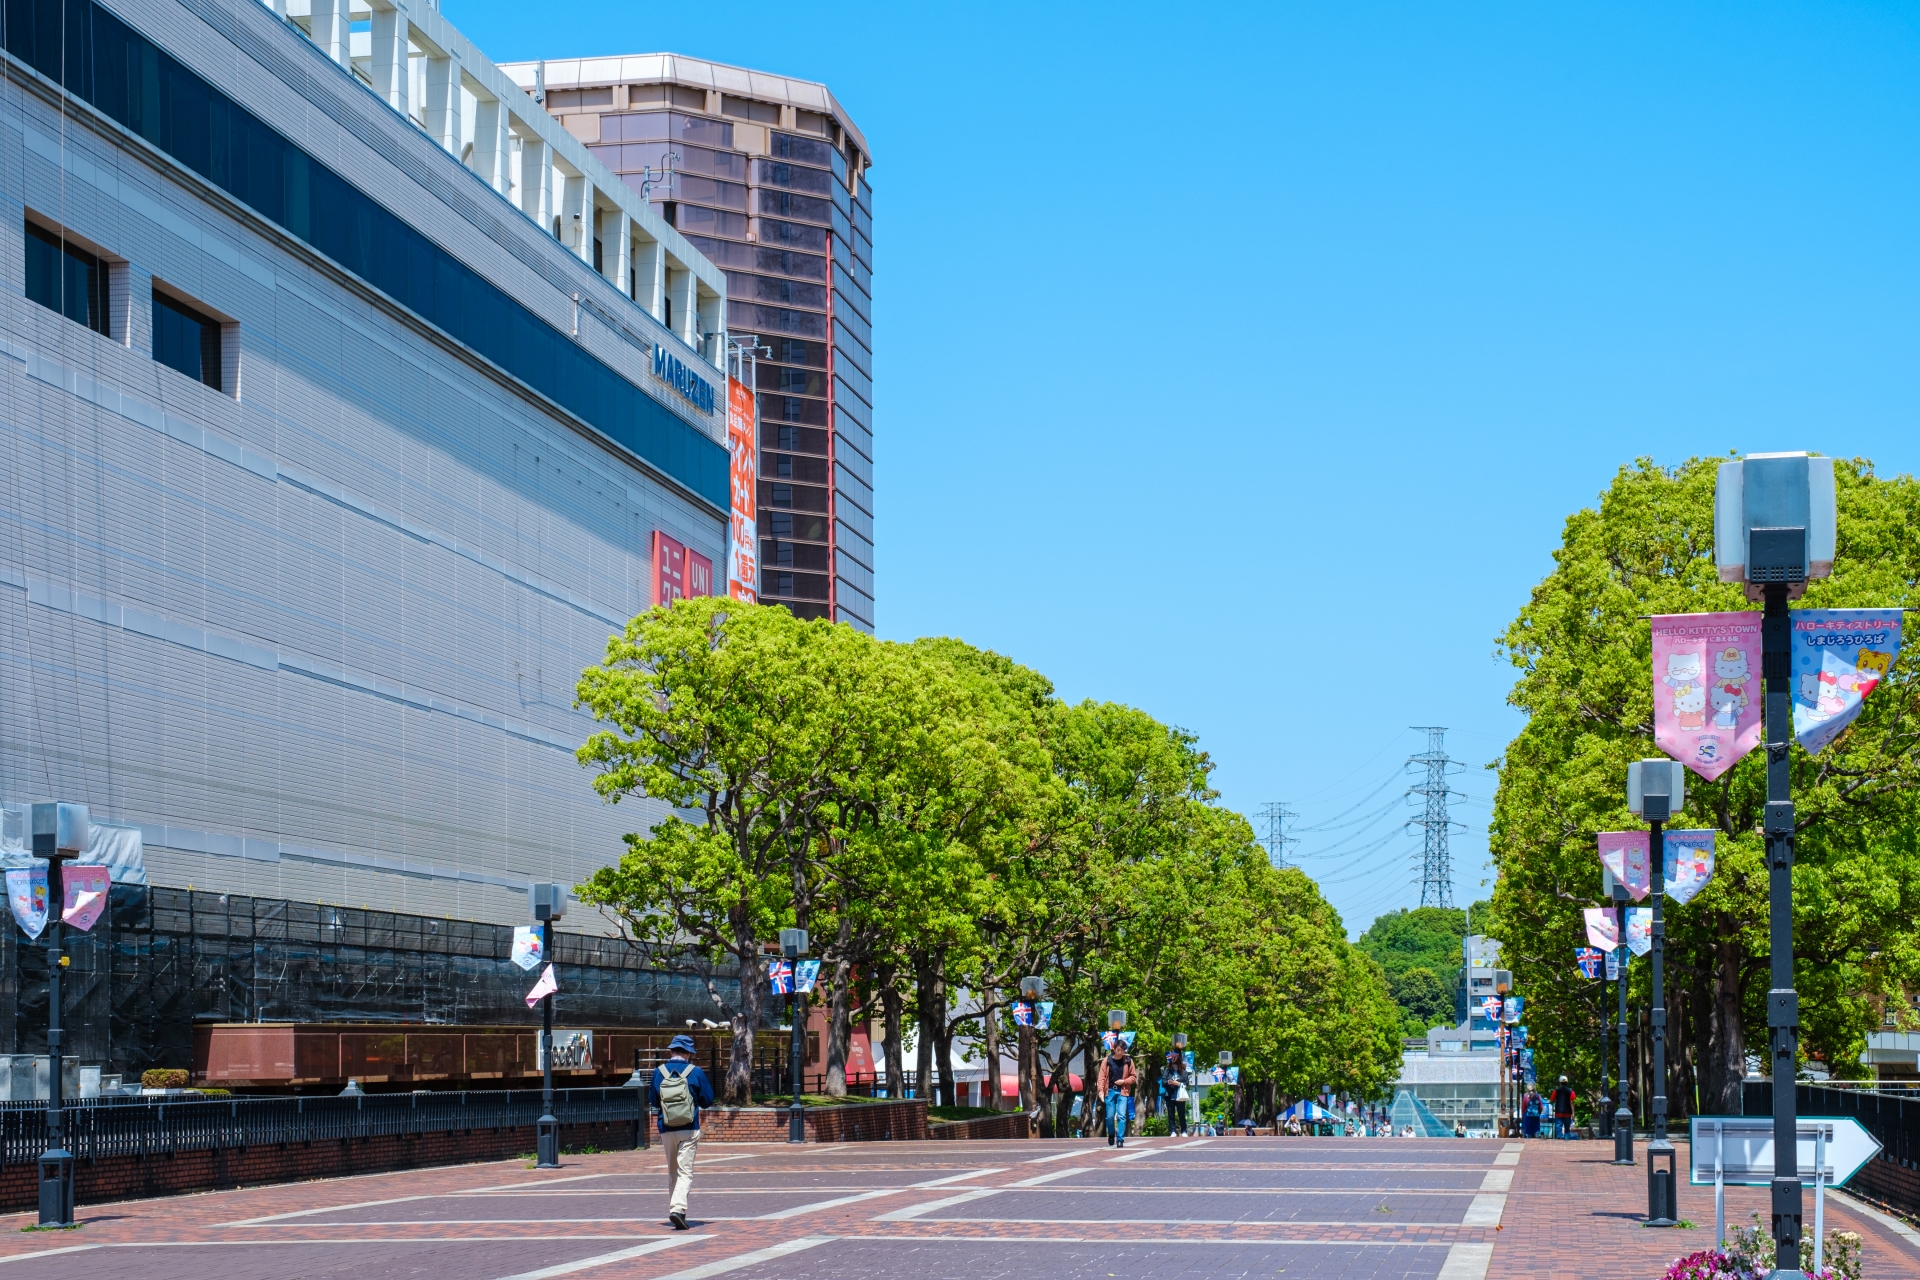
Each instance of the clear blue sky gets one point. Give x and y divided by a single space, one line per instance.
1241 363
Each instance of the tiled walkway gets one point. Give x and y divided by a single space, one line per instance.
1225 1208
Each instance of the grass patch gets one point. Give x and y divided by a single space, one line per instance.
55 1226
964 1113
810 1100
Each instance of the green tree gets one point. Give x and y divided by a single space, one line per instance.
1423 998
1583 650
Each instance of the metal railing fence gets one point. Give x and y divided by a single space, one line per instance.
103 1128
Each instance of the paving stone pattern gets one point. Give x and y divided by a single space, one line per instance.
1225 1209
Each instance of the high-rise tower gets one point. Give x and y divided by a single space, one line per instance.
1436 862
767 176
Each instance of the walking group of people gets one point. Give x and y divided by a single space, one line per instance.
1559 1104
1118 1084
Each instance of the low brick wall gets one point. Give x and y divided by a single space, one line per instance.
1012 1125
137 1177
901 1121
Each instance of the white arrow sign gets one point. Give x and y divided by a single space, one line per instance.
1740 1149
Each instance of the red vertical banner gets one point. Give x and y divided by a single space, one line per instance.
743 550
699 574
669 569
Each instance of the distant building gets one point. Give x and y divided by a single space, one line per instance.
1457 1078
1480 974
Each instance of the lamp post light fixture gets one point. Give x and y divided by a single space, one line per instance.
1226 1057
549 903
1180 1040
60 832
1116 1019
1656 790
793 946
1775 527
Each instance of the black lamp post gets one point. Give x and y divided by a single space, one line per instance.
549 904
1033 989
1622 1113
793 946
1656 789
60 831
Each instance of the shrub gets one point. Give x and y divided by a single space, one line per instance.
1153 1127
164 1078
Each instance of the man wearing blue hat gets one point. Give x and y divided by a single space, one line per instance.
680 1090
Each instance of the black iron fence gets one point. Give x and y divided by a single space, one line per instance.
103 1128
1892 1116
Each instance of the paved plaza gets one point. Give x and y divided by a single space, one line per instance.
1226 1208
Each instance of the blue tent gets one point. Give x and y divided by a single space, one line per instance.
1306 1111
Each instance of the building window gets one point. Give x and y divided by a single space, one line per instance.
67 279
185 340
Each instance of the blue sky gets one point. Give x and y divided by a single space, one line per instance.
1241 363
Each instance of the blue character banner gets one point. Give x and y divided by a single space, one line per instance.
1839 657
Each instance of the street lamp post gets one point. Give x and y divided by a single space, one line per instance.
60 831
1656 789
793 945
1622 1113
549 904
1775 527
1033 989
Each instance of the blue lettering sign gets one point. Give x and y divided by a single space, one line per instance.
693 388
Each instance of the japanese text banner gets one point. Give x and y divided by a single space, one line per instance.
1706 688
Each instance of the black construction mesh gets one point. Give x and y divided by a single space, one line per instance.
163 959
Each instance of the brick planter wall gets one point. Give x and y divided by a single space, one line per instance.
134 1177
1012 1125
901 1121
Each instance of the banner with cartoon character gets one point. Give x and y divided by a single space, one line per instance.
805 974
1689 864
27 894
85 889
528 949
1839 657
1043 1015
1639 930
1603 928
1624 853
1706 688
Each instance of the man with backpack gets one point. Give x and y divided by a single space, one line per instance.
680 1090
1115 1089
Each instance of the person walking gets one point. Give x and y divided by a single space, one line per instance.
1563 1096
1173 1085
680 1090
1530 1115
1115 1087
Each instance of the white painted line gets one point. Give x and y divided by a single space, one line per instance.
923 1237
1131 1155
331 1208
1507 1157
1485 1211
1050 1177
1497 1180
602 1259
958 1177
1515 1147
1466 1262
748 1259
1185 1145
1063 1155
48 1253
818 1205
915 1210
522 1186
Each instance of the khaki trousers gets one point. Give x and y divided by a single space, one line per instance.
679 1145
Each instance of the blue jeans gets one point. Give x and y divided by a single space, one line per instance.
1563 1126
1117 1111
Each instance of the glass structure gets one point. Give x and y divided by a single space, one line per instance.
777 195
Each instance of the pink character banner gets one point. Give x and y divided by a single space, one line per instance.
1706 688
85 890
1624 853
1603 928
1839 657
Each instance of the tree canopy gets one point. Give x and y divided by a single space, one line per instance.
944 826
1583 650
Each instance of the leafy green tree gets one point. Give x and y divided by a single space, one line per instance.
1423 998
1583 650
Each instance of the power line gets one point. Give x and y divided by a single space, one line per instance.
1436 862
1278 820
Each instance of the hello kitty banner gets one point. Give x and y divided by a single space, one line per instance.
1603 928
1839 657
1706 688
1639 930
1624 853
1689 865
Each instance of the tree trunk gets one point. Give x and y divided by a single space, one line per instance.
1728 1036
923 1020
839 1025
885 980
745 1020
990 1039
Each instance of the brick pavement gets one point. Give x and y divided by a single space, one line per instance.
1229 1208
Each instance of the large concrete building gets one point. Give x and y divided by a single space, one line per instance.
767 176
344 391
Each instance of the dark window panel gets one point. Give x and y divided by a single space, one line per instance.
789 350
792 439
782 583
782 409
724 195
786 146
787 204
778 554
694 218
780 380
794 524
792 235
799 497
185 340
65 278
794 177
789 466
808 324
665 126
745 286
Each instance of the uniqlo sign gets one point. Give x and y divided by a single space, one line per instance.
678 571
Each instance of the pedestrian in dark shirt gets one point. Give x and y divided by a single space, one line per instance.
680 1090
1563 1096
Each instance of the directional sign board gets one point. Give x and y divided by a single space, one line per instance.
1743 1146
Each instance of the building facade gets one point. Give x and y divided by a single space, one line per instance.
345 395
767 176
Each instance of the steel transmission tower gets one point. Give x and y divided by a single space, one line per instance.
1436 863
1278 820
